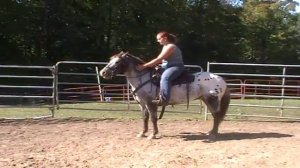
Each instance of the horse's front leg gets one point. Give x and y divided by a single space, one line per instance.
145 115
152 109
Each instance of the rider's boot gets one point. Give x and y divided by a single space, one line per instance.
158 101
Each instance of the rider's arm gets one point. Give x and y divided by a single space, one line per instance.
165 53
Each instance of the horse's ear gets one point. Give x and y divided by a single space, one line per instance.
122 53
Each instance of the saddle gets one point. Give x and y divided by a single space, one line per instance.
185 77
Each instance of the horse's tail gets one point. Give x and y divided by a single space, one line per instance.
225 100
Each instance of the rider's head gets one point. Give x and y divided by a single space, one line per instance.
164 37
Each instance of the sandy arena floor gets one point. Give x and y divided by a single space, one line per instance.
113 143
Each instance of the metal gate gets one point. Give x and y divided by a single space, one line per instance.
19 88
77 85
261 86
79 82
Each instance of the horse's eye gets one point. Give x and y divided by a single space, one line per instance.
118 62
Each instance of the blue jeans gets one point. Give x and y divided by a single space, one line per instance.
167 77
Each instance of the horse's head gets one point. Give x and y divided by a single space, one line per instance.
119 64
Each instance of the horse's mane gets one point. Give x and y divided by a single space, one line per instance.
135 59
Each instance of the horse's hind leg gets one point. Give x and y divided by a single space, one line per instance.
219 112
145 116
217 120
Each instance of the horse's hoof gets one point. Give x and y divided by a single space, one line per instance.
212 137
141 135
152 136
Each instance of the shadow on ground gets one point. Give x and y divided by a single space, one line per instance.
187 136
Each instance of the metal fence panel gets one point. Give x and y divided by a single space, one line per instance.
274 86
261 86
19 88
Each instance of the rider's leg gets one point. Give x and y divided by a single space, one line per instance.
167 77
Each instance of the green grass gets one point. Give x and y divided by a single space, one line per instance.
180 112
121 111
237 110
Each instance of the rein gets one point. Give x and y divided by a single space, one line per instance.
140 86
143 84
139 75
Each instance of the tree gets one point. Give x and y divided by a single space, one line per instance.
271 33
47 31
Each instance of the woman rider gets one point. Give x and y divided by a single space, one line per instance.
171 61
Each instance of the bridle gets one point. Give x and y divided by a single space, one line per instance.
114 69
123 61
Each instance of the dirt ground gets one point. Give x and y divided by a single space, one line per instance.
113 143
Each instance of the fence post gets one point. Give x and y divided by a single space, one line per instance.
99 83
54 75
128 95
282 91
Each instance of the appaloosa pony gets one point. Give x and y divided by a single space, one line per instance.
210 88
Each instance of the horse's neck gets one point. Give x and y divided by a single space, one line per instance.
136 78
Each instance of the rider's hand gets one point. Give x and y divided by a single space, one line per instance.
140 67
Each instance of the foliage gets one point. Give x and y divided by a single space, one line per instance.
272 33
43 32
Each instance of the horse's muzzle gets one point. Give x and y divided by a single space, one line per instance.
106 74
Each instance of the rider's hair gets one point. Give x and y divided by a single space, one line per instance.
170 37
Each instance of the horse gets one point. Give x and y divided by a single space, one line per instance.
210 88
